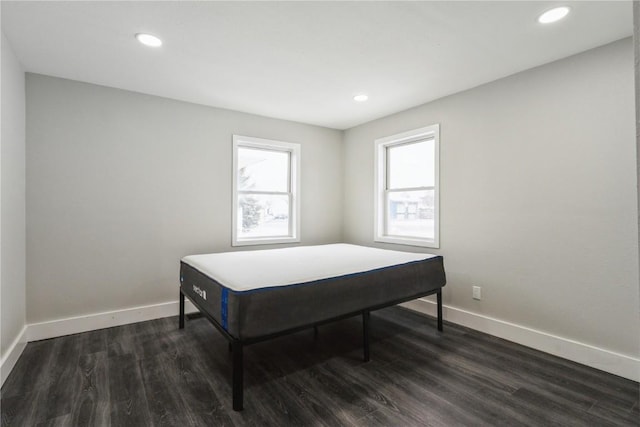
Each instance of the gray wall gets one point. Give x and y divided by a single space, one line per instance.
636 45
538 196
121 185
12 199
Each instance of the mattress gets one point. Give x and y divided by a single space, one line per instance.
252 294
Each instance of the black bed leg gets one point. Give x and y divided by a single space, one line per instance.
315 332
181 310
237 376
365 334
439 310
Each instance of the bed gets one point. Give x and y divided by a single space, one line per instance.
252 296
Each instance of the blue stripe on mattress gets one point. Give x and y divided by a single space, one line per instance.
224 300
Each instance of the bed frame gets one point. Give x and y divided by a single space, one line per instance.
236 345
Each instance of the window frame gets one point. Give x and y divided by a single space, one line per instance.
381 187
293 149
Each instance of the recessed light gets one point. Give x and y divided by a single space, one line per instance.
360 98
149 40
553 15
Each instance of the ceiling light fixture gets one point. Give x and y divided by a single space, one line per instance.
553 15
360 98
149 40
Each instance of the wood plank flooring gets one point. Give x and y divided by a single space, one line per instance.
154 374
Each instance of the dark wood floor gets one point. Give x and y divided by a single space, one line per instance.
152 373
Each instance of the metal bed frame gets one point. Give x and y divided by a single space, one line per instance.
236 345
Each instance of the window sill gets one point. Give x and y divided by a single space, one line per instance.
265 241
408 241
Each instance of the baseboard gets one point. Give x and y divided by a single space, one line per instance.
605 360
91 322
599 358
13 353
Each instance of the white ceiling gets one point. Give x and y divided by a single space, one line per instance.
303 61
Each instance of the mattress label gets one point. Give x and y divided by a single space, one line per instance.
201 292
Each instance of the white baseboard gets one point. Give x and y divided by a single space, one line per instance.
599 358
605 360
91 322
13 353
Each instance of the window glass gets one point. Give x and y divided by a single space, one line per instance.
411 165
411 214
263 170
261 215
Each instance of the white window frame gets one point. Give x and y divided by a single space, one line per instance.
294 187
381 186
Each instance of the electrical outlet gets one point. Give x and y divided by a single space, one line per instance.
477 292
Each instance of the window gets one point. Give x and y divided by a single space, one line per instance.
266 204
407 193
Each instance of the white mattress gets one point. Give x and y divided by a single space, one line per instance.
243 271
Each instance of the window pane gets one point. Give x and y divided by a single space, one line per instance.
411 165
261 215
411 214
263 170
